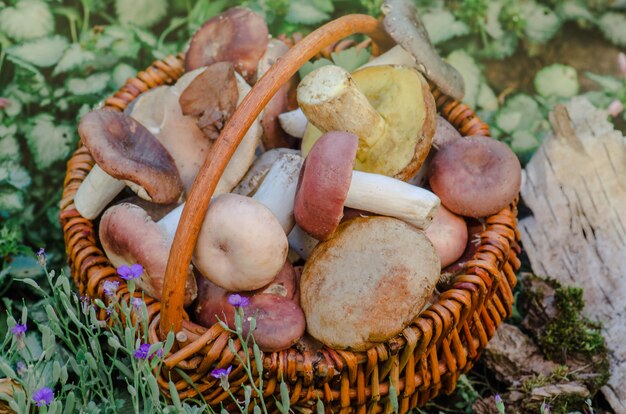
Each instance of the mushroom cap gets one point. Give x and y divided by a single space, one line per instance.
402 97
128 236
444 132
212 97
474 230
448 233
155 211
241 245
367 282
126 150
279 322
149 108
475 176
324 182
404 25
238 35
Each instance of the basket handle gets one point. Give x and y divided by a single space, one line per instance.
230 137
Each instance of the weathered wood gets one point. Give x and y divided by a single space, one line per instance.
576 187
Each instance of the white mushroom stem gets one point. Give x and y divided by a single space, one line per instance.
277 192
331 101
95 192
301 242
394 56
169 222
388 196
293 122
255 175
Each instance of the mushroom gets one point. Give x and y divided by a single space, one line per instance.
448 273
155 211
327 183
379 261
212 304
390 109
301 243
294 122
255 175
475 176
404 25
149 108
128 235
126 153
241 245
273 135
238 35
448 233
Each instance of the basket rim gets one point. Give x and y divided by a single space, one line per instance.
489 277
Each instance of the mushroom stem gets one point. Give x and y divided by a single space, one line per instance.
169 223
301 242
391 197
293 122
277 192
331 101
98 189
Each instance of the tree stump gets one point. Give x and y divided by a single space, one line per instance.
576 187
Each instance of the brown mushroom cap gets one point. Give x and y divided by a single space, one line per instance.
474 230
279 322
448 233
444 132
212 97
367 282
475 176
128 236
238 35
324 182
155 211
404 25
126 150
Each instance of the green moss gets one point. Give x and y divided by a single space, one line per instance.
570 332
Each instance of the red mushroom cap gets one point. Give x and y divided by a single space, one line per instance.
324 182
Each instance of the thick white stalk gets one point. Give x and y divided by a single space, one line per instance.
391 197
169 222
301 243
277 192
98 189
293 122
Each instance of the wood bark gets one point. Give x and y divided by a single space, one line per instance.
575 186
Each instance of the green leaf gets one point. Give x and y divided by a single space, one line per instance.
524 144
74 57
142 13
608 83
613 26
49 141
323 5
311 66
9 148
42 52
29 19
14 174
557 80
486 99
493 27
541 22
305 12
468 68
520 112
90 85
441 26
121 73
11 200
351 58
574 10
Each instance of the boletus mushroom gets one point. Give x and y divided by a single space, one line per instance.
368 282
390 109
328 182
129 235
126 153
238 35
475 176
448 233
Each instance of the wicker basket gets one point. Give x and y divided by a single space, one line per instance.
424 360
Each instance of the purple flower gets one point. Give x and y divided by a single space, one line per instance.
21 368
18 330
142 352
238 301
43 396
546 409
41 257
110 287
137 303
221 372
130 273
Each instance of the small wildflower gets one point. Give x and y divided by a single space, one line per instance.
43 396
130 273
615 108
238 301
19 330
142 352
41 257
137 303
546 408
110 287
21 368
500 404
85 304
222 375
